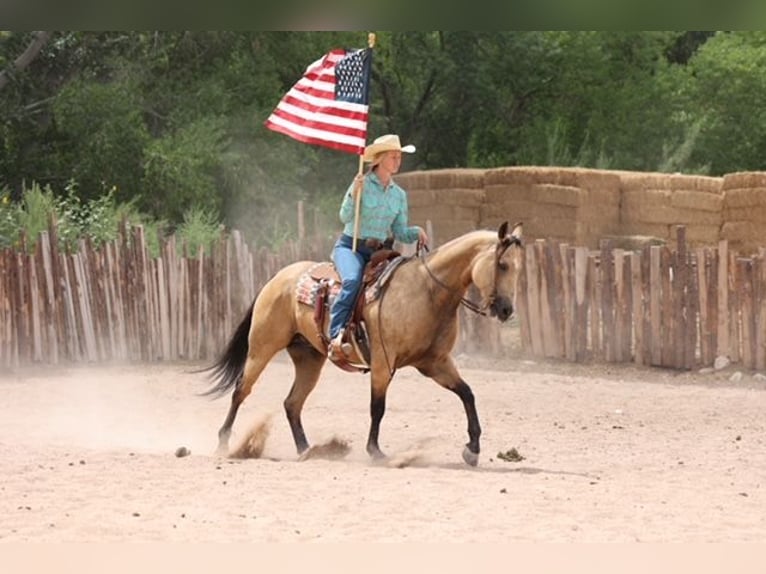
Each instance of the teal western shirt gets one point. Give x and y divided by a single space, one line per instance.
383 211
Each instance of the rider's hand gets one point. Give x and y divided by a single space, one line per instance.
422 236
358 185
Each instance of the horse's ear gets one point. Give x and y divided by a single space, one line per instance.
516 230
502 231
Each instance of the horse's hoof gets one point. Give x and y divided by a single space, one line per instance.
222 451
376 454
471 458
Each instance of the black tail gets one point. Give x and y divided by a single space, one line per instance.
226 372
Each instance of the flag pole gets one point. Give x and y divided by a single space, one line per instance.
359 186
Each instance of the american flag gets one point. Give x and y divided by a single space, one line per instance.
328 106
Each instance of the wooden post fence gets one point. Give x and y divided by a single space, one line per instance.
678 308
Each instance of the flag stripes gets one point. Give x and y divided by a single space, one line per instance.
317 110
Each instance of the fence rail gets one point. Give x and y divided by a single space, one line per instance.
678 308
116 302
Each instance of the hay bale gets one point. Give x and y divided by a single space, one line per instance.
597 180
633 242
498 193
550 193
602 196
411 180
744 197
444 231
741 231
420 197
556 229
558 194
755 213
657 206
635 199
698 235
456 178
659 230
445 212
471 198
698 200
743 236
651 213
671 181
531 175
527 210
743 180
640 181
604 215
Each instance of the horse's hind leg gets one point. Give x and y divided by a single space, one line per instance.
254 366
308 365
445 373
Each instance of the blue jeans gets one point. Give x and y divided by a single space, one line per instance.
350 266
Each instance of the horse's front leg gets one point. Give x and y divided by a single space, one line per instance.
379 381
445 373
472 448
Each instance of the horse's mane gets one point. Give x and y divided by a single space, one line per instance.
479 237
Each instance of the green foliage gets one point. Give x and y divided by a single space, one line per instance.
200 228
726 90
181 168
679 157
98 219
103 135
34 213
8 219
161 123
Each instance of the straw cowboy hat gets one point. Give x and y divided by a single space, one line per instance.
388 142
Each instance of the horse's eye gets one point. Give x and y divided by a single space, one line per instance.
502 265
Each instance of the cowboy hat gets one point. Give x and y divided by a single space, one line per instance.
388 142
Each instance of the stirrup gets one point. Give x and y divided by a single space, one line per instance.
338 345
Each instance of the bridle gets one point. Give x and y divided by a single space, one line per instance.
501 247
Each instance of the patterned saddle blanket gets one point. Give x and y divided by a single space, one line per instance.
323 275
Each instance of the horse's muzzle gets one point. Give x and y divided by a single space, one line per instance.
502 308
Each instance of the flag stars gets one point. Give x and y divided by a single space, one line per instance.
350 78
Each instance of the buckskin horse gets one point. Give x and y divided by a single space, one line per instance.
427 290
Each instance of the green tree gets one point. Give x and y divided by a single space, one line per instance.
102 137
727 86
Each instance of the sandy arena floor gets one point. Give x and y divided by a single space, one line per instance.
610 454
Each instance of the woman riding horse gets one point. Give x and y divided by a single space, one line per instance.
414 322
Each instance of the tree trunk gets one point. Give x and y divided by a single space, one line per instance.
40 39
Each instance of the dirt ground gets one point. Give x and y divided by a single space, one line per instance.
609 454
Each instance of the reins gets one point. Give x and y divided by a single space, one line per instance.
463 300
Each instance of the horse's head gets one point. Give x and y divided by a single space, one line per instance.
495 273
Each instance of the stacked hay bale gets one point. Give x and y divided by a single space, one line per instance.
569 205
450 198
744 211
653 204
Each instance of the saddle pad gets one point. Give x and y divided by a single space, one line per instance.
309 282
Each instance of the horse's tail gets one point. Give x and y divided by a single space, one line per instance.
226 372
